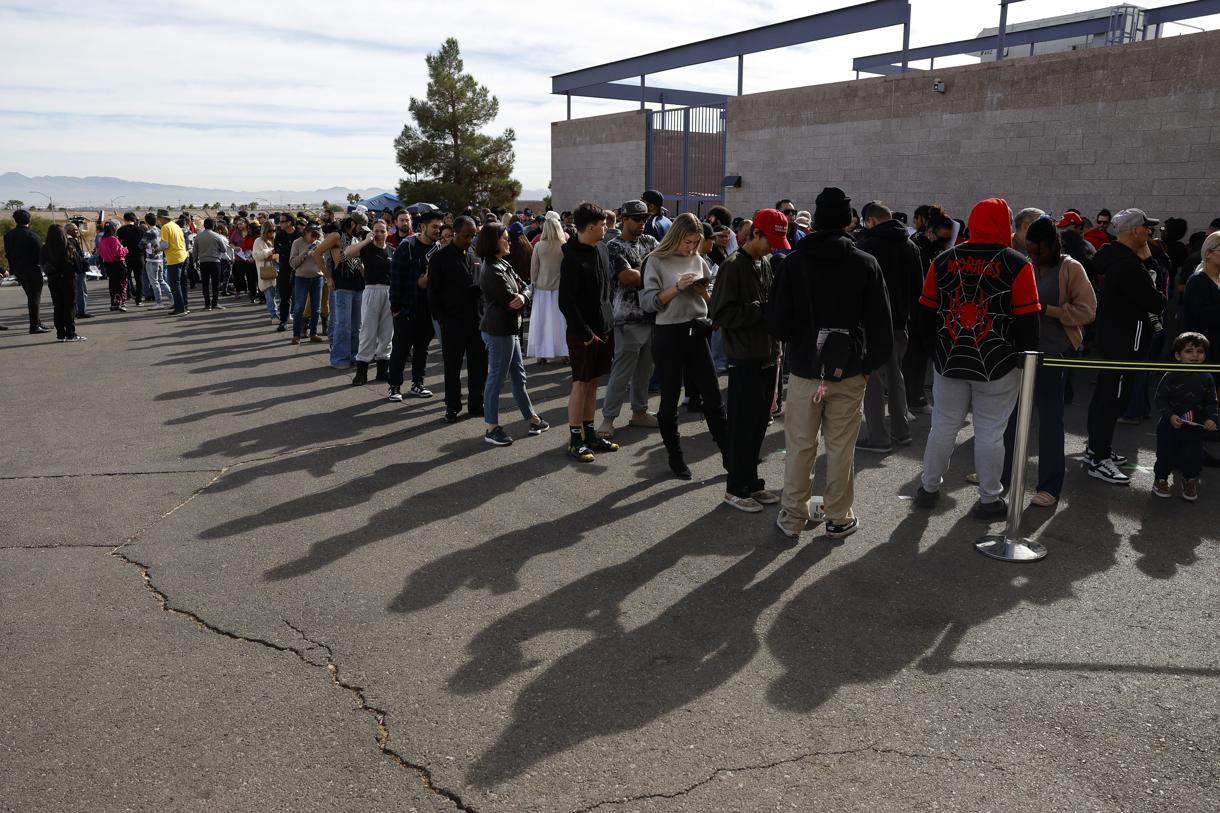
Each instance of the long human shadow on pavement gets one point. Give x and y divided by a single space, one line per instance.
878 614
494 564
452 499
623 680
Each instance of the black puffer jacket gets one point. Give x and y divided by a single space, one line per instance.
829 283
900 264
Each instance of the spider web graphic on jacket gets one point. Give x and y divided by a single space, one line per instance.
974 335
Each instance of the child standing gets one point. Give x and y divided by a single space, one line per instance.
1187 403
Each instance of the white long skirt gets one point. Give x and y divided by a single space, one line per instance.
548 329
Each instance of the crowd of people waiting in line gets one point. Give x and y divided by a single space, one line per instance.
835 314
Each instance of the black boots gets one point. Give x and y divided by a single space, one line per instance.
362 374
673 445
383 370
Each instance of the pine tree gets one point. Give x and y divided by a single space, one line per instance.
449 160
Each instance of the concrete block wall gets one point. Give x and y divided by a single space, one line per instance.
1132 125
599 159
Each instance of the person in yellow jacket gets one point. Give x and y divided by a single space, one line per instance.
173 243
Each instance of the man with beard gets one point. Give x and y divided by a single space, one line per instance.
413 330
455 298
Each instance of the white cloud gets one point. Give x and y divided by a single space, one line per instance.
310 94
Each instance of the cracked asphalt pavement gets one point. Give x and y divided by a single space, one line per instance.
230 581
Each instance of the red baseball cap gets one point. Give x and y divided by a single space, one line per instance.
774 224
1069 219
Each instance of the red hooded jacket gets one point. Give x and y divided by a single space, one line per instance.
984 300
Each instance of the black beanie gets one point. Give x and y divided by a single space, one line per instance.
832 209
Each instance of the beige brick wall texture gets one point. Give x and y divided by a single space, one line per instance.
599 159
1132 125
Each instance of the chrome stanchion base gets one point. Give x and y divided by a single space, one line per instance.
1006 549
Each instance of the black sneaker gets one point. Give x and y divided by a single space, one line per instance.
581 453
925 498
838 530
420 391
597 444
539 427
476 412
497 437
1107 471
994 510
1091 459
452 417
868 446
283 326
395 393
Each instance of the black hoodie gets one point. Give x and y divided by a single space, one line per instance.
586 287
900 265
830 283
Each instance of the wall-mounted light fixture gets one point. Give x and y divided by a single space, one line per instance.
733 181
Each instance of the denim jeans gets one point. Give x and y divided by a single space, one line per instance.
82 295
158 284
504 359
301 288
272 308
176 277
344 327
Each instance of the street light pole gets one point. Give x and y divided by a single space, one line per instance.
50 203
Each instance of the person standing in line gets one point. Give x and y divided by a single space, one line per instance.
504 295
209 250
585 290
548 330
1068 304
307 284
676 281
631 367
376 321
113 254
832 308
1100 236
156 287
284 238
81 265
1187 403
1126 302
887 241
739 302
268 264
933 238
23 247
979 310
413 330
345 277
1020 225
174 246
456 300
58 262
131 236
658 221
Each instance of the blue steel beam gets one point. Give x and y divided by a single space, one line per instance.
1181 11
1048 33
631 93
837 23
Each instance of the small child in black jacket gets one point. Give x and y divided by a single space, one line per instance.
1187 402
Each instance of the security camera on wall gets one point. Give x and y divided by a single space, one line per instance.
938 86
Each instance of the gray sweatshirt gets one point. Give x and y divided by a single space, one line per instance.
211 247
663 272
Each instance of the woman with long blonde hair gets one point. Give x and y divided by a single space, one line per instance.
548 329
676 280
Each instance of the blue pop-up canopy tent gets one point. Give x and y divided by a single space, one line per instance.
386 200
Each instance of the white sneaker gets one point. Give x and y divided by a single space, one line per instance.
606 430
1107 471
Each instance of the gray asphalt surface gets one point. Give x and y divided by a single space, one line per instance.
230 581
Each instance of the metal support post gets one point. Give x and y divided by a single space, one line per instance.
569 95
741 72
1009 546
686 158
642 91
999 47
906 39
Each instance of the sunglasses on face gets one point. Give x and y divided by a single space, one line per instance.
788 212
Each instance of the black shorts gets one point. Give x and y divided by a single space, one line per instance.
590 362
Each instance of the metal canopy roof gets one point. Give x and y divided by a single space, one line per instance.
604 81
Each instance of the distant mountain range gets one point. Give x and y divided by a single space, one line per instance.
98 192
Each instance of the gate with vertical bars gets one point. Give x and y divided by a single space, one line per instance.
685 157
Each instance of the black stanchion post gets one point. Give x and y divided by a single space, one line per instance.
1009 546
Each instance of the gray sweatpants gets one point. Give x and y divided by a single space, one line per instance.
376 324
632 366
888 379
992 403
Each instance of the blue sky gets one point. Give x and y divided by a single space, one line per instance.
311 94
